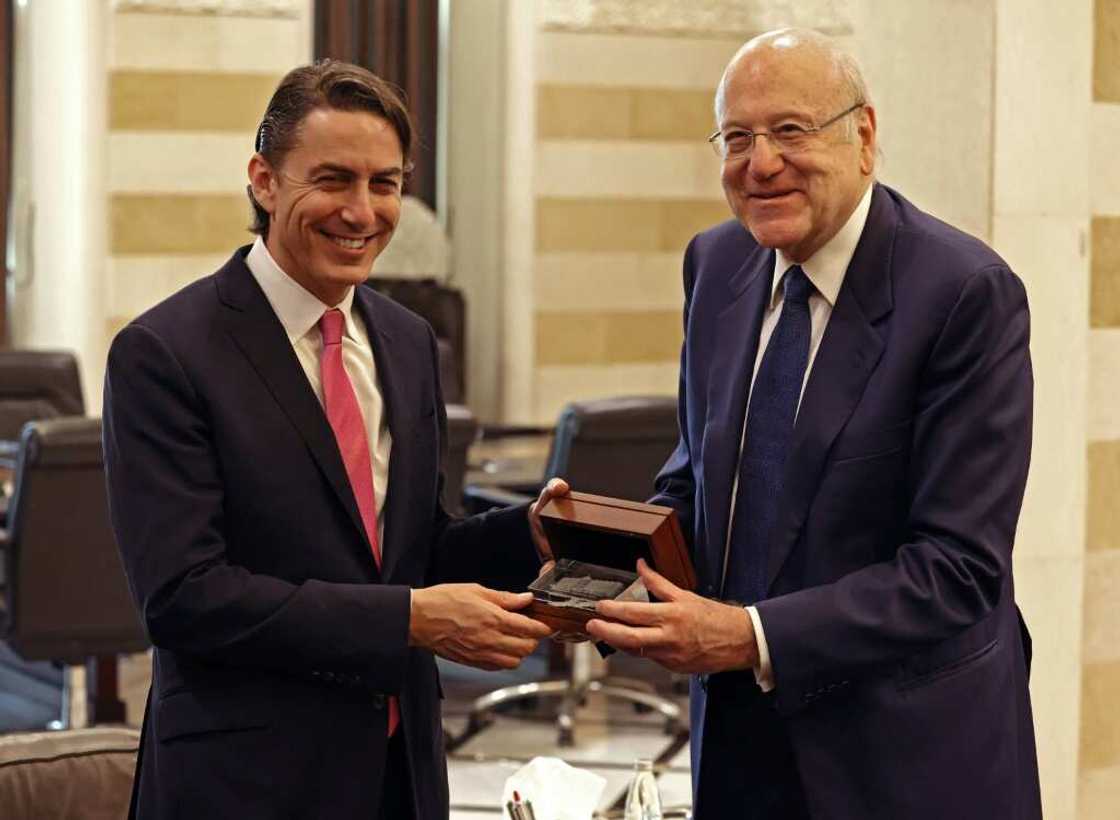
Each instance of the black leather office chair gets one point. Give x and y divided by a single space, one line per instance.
34 384
609 447
444 308
65 597
37 384
462 430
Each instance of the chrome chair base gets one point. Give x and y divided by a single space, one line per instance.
75 698
573 693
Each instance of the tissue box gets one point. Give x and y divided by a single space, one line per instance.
596 542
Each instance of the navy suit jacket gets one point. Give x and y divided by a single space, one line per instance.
277 639
899 656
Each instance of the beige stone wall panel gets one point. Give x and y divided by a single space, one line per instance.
1101 627
1104 490
178 42
1098 794
555 385
143 162
221 8
1104 304
623 60
1104 384
1106 51
599 113
187 101
1100 719
620 281
696 17
638 225
136 282
607 337
1105 159
177 223
644 170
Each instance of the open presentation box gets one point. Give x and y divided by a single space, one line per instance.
597 542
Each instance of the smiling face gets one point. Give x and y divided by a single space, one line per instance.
794 202
334 201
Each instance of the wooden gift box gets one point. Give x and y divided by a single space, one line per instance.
596 542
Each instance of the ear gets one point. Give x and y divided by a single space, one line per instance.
868 139
262 180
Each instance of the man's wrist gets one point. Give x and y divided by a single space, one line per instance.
763 671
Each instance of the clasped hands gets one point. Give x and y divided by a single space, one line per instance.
683 631
481 627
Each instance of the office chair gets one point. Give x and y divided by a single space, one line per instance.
34 384
444 308
462 430
65 598
37 384
82 773
609 447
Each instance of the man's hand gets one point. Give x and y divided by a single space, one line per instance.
471 624
555 487
686 633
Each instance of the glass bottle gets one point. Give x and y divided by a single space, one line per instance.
643 801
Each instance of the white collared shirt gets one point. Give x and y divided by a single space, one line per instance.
299 312
825 269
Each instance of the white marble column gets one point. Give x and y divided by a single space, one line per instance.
62 306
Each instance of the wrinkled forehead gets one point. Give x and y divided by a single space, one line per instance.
764 80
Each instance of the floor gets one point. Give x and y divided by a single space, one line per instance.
608 737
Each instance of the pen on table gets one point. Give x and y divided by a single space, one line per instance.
519 810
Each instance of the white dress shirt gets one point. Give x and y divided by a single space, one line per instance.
825 269
299 312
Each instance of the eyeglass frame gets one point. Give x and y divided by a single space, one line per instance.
814 129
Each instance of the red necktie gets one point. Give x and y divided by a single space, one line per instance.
345 417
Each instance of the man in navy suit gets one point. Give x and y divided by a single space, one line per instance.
273 438
855 409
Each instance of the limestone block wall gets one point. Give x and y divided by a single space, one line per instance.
187 83
1099 780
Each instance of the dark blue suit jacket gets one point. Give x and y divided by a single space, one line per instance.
900 659
277 638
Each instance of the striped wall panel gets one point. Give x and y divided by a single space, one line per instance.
186 92
1099 756
623 180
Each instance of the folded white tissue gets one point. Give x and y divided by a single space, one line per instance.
556 790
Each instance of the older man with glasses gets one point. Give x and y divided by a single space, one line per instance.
855 409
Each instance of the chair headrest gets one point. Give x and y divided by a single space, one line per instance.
626 418
72 441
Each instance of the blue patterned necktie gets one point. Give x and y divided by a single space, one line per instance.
769 436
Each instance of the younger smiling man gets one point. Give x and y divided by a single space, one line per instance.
272 440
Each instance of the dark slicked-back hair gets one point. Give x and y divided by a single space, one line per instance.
325 84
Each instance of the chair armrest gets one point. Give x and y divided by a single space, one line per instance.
478 499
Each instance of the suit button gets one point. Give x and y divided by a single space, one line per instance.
378 701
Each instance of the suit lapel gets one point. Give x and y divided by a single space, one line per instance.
257 331
735 345
848 354
389 382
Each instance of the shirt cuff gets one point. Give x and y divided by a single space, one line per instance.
764 672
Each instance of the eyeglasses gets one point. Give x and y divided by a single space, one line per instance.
787 138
